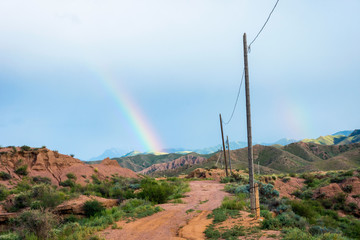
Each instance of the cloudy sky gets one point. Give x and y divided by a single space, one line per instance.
179 63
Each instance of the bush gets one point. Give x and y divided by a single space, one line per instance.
67 183
221 214
71 176
35 222
284 220
92 208
21 200
155 192
303 209
22 170
139 208
267 192
234 203
286 179
296 234
25 148
46 196
348 188
4 176
4 192
39 179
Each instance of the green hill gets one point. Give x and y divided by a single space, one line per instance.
354 137
295 157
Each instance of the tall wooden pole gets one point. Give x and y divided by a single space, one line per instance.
248 120
223 142
228 147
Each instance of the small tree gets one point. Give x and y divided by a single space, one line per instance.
22 170
92 207
37 222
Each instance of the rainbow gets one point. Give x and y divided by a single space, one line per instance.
133 113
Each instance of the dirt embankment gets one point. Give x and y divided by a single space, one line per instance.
178 221
286 188
55 166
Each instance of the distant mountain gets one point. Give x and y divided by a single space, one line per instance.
110 153
294 157
346 133
283 141
239 144
337 138
118 153
129 154
174 150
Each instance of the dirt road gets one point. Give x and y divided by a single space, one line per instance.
177 221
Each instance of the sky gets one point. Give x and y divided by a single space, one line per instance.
82 76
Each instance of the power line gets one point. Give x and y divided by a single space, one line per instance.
263 25
237 98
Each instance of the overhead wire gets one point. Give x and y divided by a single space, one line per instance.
237 99
267 20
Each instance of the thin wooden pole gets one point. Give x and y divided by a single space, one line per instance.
223 142
248 120
228 147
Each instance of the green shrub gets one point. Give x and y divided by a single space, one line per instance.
4 192
21 200
4 176
22 170
284 220
234 203
139 208
155 192
212 233
36 205
95 178
67 183
304 209
348 188
39 179
92 207
35 222
286 179
221 214
279 205
9 236
266 214
25 148
47 196
296 234
71 176
235 231
43 194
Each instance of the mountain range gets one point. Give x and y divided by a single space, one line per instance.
307 155
118 153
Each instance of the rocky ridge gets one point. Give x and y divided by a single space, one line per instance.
43 162
179 162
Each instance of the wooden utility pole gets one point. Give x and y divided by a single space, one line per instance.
228 147
248 120
223 142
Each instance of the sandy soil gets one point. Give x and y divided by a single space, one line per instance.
175 222
287 188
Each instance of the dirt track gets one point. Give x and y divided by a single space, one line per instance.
174 222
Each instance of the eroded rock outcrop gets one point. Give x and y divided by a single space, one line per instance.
179 162
55 166
75 206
